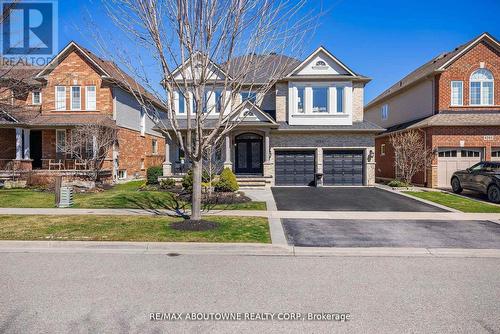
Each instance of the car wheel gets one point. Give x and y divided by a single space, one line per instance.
455 185
494 194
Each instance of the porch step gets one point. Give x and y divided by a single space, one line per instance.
253 182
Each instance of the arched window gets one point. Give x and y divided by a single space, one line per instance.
320 63
481 87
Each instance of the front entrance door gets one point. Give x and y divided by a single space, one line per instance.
36 149
249 157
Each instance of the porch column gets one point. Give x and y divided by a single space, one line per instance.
167 165
268 165
26 144
227 160
19 144
266 147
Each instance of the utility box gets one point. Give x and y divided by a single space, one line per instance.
65 197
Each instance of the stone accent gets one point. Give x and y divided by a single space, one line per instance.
358 89
281 102
167 169
370 173
268 169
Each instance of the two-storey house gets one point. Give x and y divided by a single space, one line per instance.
454 101
307 130
75 89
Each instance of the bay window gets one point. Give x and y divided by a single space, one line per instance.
340 99
182 104
319 99
248 96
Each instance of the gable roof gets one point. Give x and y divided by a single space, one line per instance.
257 111
329 54
432 67
108 69
199 54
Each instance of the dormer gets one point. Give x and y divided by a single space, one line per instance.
321 91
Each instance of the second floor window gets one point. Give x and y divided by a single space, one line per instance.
249 96
37 97
340 99
154 146
218 101
182 104
90 98
320 99
456 93
300 100
384 112
481 88
60 98
76 98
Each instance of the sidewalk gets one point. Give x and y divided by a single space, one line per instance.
386 215
179 249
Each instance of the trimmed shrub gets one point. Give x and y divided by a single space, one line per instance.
153 173
398 184
187 181
167 183
227 182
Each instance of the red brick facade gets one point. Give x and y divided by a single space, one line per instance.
482 55
135 152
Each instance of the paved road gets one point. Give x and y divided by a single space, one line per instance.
114 293
346 199
392 233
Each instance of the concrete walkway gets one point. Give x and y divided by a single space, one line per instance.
181 248
270 214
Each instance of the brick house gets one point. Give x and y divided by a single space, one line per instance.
309 123
454 101
76 88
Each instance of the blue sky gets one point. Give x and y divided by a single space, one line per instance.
384 40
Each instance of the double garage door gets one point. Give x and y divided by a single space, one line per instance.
452 159
340 168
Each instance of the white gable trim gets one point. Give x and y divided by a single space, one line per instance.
253 108
72 44
174 73
329 54
470 46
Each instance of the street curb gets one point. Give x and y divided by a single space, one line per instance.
386 188
180 248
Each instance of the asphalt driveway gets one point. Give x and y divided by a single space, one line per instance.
346 199
392 233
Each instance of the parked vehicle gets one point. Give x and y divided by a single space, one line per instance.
483 177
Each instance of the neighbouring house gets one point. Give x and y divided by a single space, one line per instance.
309 124
75 89
454 101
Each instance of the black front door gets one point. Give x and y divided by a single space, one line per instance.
249 157
36 149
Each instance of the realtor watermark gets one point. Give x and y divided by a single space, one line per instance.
29 31
250 316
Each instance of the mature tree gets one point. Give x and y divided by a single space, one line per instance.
224 47
90 145
411 154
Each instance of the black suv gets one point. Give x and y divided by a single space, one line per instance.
483 177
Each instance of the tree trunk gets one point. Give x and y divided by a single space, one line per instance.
196 195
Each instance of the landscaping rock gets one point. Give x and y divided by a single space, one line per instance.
9 184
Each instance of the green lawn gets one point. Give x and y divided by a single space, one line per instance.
455 202
130 228
126 195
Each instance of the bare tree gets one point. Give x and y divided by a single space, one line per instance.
218 46
91 145
212 163
410 154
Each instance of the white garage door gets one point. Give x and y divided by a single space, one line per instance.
495 154
452 159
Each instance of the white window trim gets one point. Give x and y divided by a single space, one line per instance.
87 98
33 97
65 102
331 99
57 139
154 146
481 82
461 102
71 98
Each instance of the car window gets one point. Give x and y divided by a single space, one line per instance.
477 167
492 168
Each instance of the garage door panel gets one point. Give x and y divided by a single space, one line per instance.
451 163
295 168
343 168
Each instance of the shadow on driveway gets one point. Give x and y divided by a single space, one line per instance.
346 199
